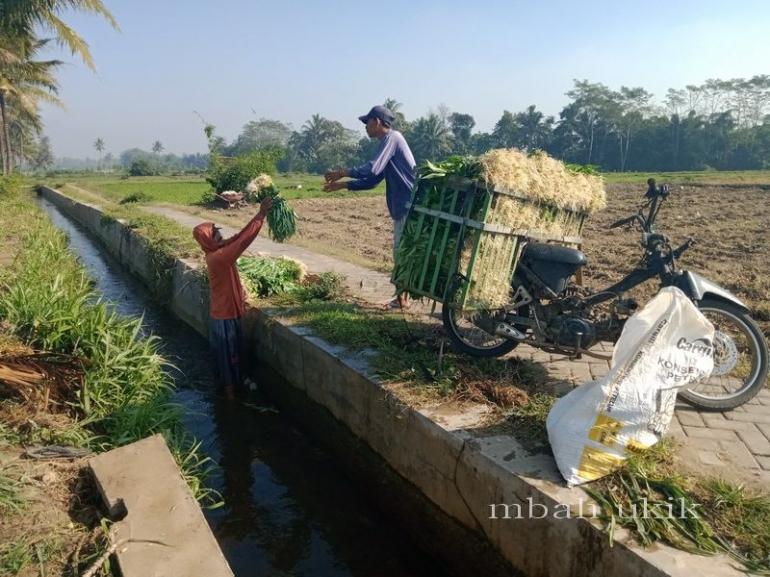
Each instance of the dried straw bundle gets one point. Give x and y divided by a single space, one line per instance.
542 178
258 183
547 199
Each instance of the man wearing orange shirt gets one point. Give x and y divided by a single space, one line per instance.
227 303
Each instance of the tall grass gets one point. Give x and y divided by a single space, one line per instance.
47 300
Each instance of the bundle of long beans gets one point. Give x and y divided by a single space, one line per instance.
281 218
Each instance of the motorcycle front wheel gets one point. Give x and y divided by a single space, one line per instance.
740 360
473 331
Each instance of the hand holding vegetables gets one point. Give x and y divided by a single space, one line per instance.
264 207
280 216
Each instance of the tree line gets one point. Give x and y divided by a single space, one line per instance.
719 125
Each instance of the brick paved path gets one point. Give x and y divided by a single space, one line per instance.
734 444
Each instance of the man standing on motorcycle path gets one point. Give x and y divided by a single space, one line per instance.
394 162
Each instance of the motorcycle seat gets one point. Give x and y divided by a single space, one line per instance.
554 253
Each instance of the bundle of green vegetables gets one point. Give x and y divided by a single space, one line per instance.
269 276
281 218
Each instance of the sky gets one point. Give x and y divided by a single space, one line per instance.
176 63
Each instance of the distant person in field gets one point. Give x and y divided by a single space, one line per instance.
394 162
227 303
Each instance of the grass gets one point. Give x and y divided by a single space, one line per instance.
11 499
703 516
714 177
188 191
408 351
46 300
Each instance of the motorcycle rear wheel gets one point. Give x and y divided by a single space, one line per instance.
740 360
472 332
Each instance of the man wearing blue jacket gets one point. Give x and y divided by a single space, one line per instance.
394 162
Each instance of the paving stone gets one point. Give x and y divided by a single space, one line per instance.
714 434
750 417
710 458
739 454
675 429
756 442
765 429
756 409
764 462
690 419
722 423
710 445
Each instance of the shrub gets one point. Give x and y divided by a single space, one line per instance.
327 286
141 167
235 173
136 197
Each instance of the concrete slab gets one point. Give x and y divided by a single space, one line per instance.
164 531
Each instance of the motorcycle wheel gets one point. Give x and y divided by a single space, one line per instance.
472 332
740 360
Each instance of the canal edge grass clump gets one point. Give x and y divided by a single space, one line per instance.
46 303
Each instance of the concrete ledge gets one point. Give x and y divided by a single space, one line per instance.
164 530
458 473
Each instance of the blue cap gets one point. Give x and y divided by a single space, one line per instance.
380 112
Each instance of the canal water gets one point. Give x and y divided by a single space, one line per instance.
289 510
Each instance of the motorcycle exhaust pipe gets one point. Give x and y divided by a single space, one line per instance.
509 332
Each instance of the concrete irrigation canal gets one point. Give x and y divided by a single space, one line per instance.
290 508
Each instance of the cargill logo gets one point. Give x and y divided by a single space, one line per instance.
701 347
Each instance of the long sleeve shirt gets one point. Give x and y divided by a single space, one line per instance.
395 163
227 300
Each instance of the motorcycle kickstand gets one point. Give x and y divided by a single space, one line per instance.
578 352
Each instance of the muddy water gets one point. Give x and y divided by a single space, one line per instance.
289 509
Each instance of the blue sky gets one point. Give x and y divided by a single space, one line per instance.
239 60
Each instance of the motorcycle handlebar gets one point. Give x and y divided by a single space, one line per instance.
629 220
679 251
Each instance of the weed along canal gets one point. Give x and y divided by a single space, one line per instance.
289 509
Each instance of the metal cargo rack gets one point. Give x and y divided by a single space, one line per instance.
444 242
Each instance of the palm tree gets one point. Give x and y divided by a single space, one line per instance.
431 138
21 17
23 82
99 146
534 128
157 147
395 107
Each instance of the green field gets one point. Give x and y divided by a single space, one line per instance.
190 190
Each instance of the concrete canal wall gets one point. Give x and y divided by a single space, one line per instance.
446 483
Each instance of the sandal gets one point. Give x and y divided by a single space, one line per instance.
394 304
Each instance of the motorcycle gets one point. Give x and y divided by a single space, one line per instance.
548 311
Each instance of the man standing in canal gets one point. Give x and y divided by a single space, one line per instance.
226 296
394 162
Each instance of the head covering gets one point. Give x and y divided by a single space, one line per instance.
204 235
384 114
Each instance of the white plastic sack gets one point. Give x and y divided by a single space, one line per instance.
666 345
